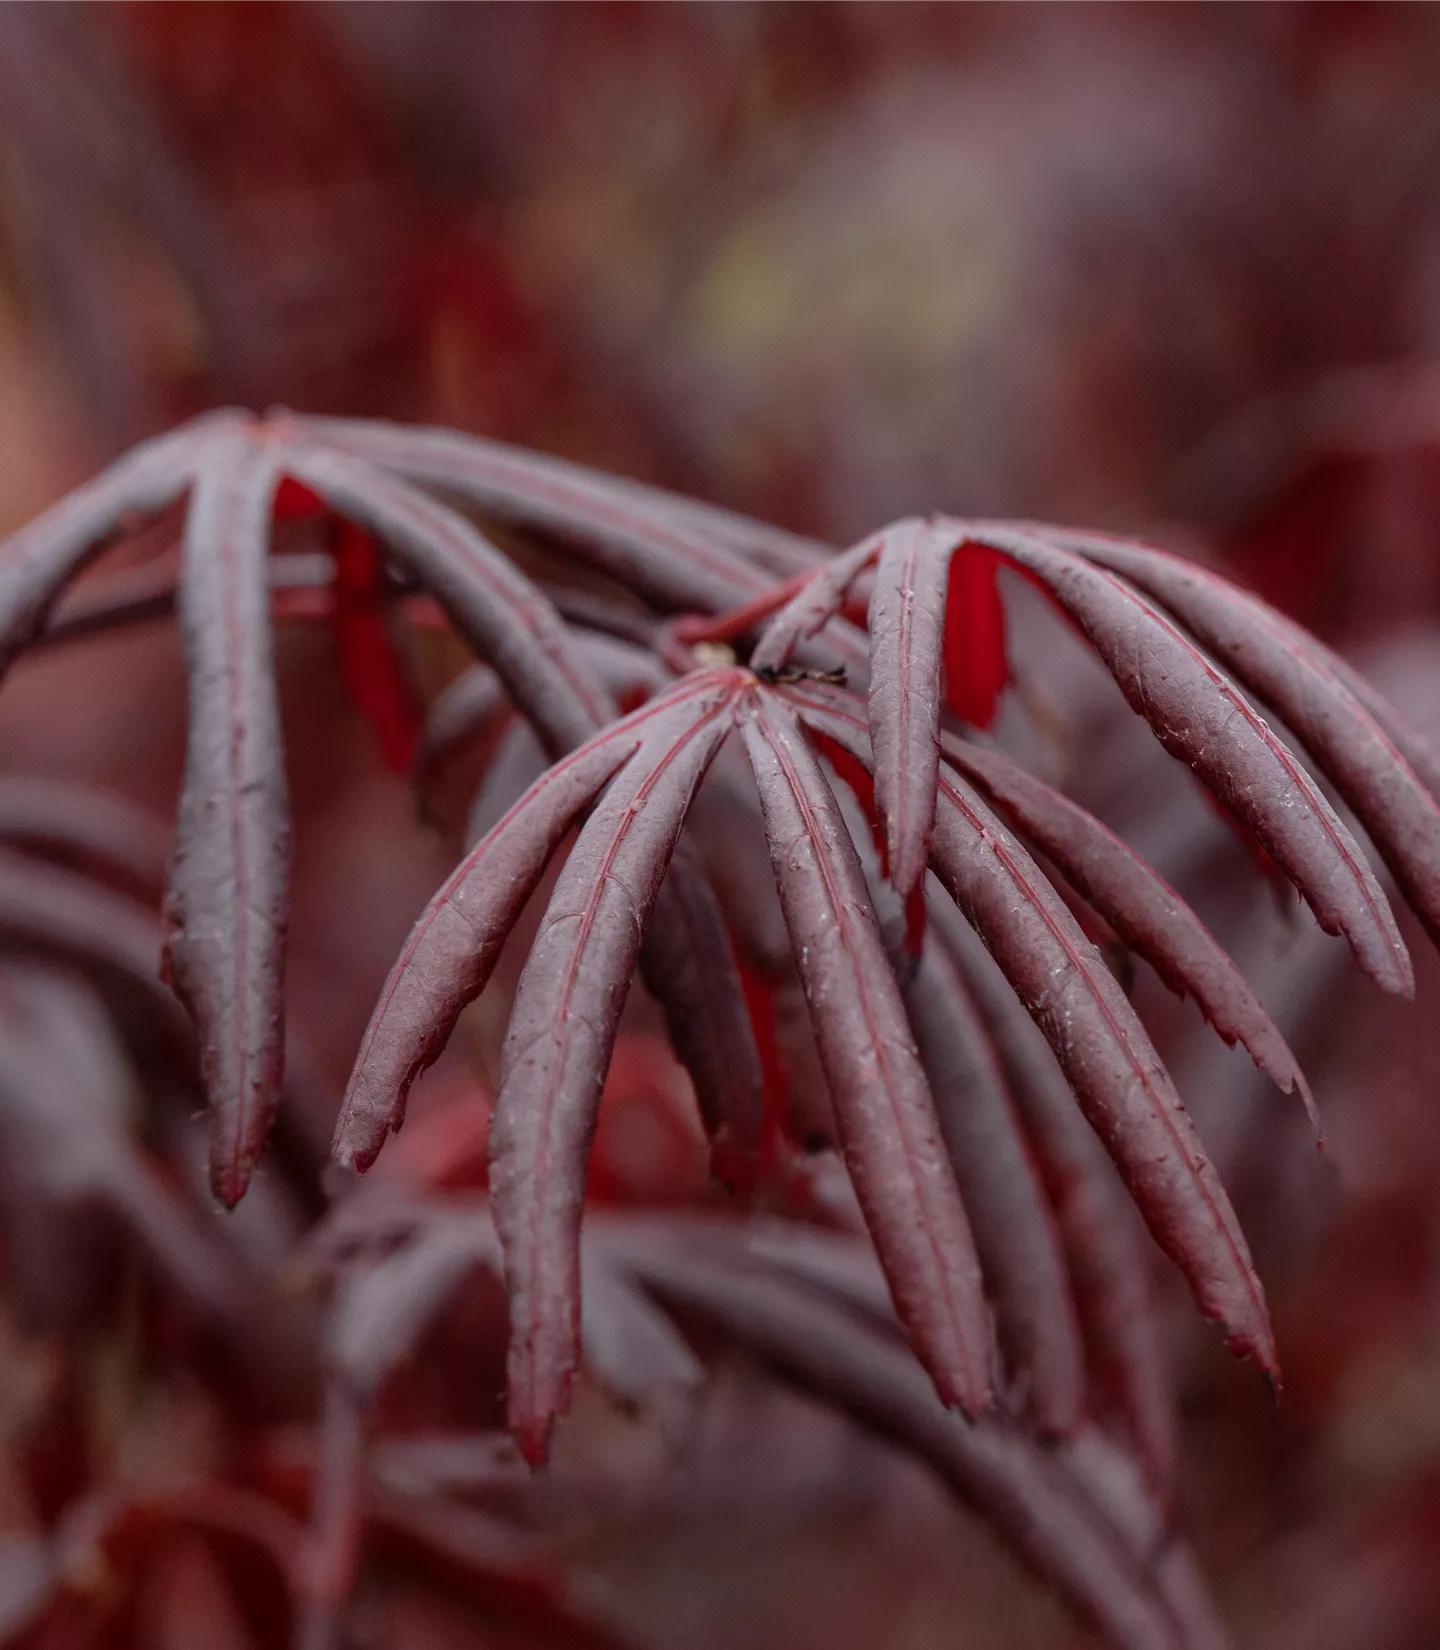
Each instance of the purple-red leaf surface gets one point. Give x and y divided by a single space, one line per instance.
229 881
1147 914
688 963
456 942
1200 716
509 623
1015 1232
1292 674
1015 1235
43 556
989 1463
1104 1243
907 645
561 1033
636 535
883 1105
1105 1052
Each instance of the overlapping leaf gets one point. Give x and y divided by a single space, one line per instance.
672 550
1015 1235
561 1032
813 1306
1104 1244
930 1056
1196 711
1104 1050
1143 910
884 1108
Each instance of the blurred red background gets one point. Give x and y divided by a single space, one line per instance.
1162 269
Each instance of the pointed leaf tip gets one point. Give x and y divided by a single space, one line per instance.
561 1034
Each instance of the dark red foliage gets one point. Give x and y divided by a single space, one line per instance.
962 1040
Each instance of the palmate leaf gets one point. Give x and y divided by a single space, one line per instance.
925 1086
227 898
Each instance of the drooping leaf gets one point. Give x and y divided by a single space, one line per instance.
1104 1050
1418 751
629 1345
517 762
456 942
229 881
64 1087
1291 673
385 1302
58 914
37 562
638 537
1110 1478
1107 1056
1015 1235
92 830
1147 914
687 955
883 1105
140 595
907 640
1200 716
728 831
935 611
467 710
561 1033
1194 708
504 617
1104 1244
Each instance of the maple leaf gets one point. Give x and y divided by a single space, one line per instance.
934 979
